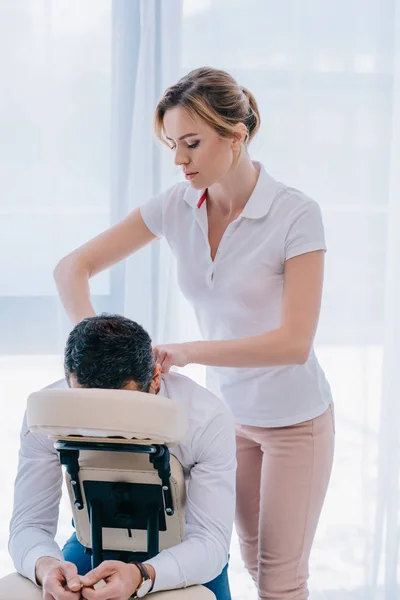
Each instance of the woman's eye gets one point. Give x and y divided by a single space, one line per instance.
191 146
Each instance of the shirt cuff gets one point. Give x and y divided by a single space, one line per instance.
31 558
168 572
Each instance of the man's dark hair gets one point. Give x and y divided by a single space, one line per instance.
108 351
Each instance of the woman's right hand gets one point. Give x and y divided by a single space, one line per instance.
169 355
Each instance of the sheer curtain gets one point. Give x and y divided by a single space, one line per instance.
387 523
145 63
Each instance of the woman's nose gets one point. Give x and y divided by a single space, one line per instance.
180 157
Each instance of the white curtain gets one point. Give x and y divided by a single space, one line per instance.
387 522
80 83
145 63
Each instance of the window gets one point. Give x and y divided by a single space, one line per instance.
54 157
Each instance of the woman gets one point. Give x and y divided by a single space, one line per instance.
250 254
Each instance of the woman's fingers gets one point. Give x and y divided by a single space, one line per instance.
163 359
170 355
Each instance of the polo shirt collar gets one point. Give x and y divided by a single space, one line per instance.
258 204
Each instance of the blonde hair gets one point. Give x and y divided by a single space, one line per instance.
215 97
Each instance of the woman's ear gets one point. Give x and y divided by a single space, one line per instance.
241 133
156 381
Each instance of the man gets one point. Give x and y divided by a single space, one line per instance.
113 352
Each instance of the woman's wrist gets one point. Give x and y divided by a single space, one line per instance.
191 351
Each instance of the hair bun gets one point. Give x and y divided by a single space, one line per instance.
253 120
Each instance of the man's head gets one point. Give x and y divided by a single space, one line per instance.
111 352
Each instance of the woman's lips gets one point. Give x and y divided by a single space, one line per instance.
190 175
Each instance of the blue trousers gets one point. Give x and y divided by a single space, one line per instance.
74 552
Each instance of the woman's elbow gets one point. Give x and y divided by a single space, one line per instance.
67 265
58 269
302 353
297 348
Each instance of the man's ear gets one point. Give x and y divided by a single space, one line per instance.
131 386
156 381
72 380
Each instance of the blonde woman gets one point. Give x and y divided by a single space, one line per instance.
250 253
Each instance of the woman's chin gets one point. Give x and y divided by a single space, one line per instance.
196 185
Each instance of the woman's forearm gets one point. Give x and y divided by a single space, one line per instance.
73 287
274 348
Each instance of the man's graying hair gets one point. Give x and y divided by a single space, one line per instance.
108 351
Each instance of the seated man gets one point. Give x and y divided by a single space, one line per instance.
113 352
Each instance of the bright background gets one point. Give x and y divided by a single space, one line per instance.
79 84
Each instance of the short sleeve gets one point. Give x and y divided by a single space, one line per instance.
152 214
306 230
159 211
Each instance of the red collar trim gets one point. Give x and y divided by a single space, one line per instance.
202 199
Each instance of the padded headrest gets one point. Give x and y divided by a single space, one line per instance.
106 413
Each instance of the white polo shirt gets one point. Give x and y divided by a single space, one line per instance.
239 294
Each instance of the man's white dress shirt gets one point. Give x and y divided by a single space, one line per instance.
207 455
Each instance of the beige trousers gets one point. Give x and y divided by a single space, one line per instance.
282 478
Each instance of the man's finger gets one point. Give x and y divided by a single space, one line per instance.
110 590
53 590
72 578
97 574
66 595
74 584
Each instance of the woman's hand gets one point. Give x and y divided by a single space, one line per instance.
169 355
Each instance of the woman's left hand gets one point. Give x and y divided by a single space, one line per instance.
169 355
